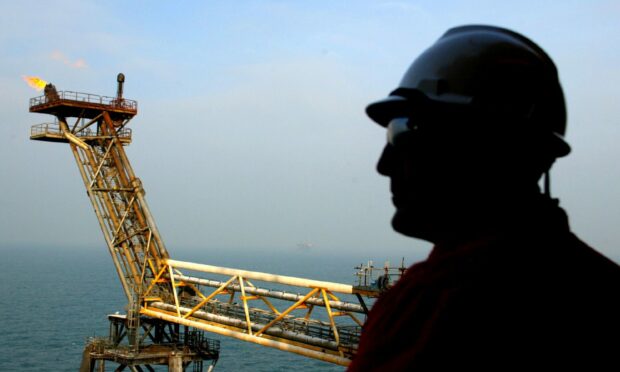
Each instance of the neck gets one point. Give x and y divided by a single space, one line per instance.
511 215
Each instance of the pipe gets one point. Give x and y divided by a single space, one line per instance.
281 295
120 78
281 279
250 338
242 325
76 141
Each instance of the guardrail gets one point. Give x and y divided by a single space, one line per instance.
54 129
86 97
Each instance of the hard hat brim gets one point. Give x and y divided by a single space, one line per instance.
384 110
400 102
561 147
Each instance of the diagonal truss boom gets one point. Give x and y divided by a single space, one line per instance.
303 316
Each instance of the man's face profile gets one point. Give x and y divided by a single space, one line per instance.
449 170
423 173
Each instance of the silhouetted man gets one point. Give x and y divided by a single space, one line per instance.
476 122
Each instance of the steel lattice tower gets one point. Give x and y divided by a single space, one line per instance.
317 324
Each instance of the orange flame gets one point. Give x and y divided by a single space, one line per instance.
35 82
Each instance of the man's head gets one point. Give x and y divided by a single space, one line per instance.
475 122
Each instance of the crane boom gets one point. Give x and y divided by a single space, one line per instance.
315 323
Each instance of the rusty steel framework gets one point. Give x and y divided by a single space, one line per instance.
314 323
161 343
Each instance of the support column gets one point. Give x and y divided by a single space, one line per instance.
175 362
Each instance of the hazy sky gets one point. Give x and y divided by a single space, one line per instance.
251 131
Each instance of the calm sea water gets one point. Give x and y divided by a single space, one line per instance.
51 300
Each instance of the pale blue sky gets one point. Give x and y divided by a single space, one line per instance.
251 131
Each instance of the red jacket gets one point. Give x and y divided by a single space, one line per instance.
533 297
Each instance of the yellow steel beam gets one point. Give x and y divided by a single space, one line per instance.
285 312
245 305
266 301
359 322
281 279
154 281
101 163
269 304
174 291
191 285
331 318
120 225
206 299
324 356
76 141
146 260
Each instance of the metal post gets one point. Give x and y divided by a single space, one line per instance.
175 362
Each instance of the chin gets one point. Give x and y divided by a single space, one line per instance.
415 225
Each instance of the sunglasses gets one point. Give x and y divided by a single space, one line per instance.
397 127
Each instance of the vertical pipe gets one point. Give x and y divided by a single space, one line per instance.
120 78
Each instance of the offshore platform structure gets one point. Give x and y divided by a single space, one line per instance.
302 316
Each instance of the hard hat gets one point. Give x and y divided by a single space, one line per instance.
485 70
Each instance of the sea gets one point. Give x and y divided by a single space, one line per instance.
53 299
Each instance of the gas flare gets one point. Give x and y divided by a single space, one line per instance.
35 82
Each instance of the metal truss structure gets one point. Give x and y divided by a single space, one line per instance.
161 343
316 323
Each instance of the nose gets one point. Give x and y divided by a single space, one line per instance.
386 161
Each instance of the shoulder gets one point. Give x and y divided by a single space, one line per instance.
587 264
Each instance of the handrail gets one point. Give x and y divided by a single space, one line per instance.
86 97
54 128
281 279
